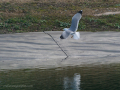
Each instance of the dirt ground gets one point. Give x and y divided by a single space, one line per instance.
107 13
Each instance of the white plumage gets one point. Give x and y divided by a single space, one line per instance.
73 28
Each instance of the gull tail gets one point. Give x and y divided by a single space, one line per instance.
76 35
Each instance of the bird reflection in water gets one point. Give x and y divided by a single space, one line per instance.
72 83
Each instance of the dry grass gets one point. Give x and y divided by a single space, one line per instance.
44 1
16 1
57 1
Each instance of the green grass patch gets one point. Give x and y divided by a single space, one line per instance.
117 5
102 23
21 23
62 24
32 23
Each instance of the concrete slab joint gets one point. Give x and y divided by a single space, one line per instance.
58 45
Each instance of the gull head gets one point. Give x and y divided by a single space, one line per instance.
61 37
80 12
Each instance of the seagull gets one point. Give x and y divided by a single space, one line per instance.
73 28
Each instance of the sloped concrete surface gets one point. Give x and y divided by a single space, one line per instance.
39 50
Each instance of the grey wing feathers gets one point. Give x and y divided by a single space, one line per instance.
75 22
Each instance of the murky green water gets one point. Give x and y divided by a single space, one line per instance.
100 77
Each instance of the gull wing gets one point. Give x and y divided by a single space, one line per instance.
75 21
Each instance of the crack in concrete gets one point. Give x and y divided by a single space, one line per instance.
58 46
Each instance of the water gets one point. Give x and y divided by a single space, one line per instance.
94 77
